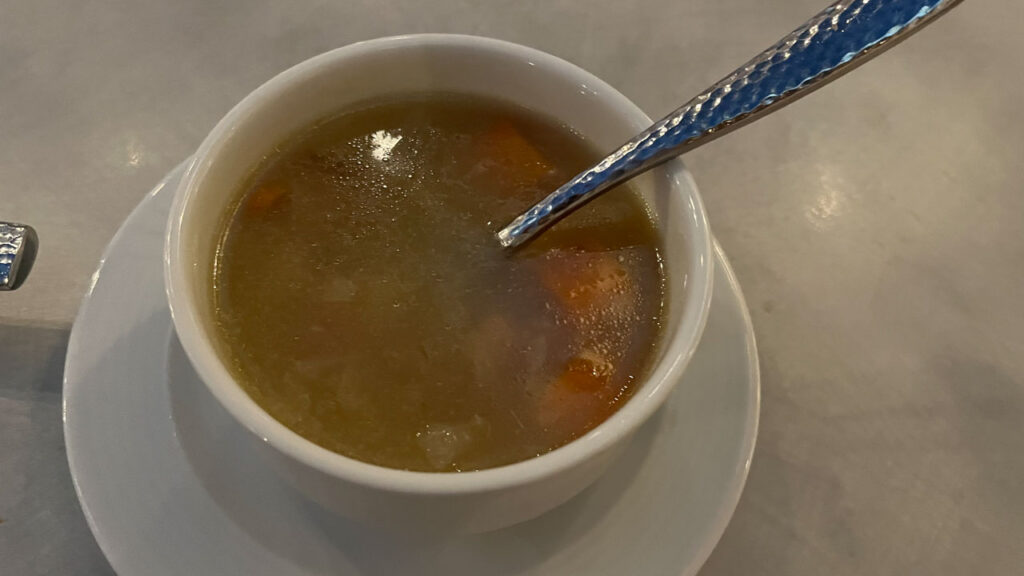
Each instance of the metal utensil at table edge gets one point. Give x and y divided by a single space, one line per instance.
843 36
18 246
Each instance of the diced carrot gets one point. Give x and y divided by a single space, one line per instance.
587 372
520 161
580 397
265 198
585 281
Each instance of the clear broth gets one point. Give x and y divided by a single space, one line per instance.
363 300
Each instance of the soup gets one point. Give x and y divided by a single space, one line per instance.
363 301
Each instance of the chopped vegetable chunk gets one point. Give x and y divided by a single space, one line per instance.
583 281
517 158
265 199
580 396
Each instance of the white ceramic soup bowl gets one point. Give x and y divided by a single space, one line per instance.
328 84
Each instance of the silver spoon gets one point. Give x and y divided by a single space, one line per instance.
843 36
18 245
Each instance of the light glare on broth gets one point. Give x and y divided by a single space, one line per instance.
363 301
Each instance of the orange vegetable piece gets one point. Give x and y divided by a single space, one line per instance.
587 372
265 199
581 396
520 161
585 281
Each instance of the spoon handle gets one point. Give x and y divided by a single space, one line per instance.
843 36
17 251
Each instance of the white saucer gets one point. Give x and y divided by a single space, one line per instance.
168 487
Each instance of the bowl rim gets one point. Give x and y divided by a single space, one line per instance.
645 401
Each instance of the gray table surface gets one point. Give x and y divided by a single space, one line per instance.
875 227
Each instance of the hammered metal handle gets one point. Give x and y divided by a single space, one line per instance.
18 245
844 35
